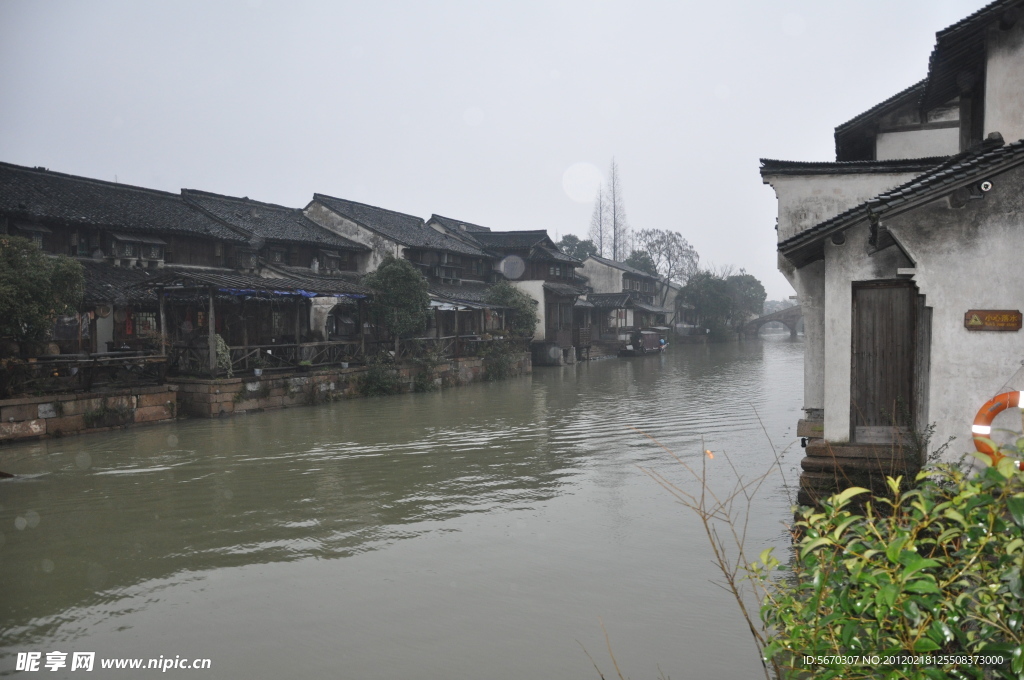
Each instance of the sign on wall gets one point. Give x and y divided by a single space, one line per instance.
992 320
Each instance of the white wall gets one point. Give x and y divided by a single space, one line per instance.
535 289
966 258
806 200
1004 83
809 284
602 278
379 246
917 143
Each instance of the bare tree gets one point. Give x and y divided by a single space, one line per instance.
675 259
599 224
616 210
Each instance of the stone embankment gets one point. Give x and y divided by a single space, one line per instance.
57 415
43 417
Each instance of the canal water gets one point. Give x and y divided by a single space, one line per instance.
488 531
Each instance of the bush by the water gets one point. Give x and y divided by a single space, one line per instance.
935 570
381 377
500 359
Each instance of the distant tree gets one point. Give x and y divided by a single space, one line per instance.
674 259
616 212
521 309
572 246
599 225
400 302
640 259
722 300
748 297
34 289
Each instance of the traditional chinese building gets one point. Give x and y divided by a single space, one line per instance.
905 255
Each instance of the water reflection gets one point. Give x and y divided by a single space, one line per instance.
111 527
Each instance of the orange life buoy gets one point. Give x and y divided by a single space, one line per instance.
982 427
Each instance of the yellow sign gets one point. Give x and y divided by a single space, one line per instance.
993 320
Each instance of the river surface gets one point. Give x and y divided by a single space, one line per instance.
486 531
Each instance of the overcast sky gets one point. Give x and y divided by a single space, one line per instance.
488 112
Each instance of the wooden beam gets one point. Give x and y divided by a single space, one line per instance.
163 320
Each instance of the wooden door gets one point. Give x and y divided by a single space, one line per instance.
882 385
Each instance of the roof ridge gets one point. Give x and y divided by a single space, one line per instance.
90 180
987 149
971 18
366 205
211 194
842 127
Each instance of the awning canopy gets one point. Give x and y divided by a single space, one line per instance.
234 283
139 238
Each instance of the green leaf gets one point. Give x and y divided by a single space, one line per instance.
887 594
1007 467
841 499
894 548
925 645
1015 504
955 516
816 543
915 563
922 585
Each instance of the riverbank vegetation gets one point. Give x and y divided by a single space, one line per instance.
722 301
401 303
877 582
34 289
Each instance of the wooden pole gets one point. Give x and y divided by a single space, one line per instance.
163 320
362 333
245 333
456 331
211 322
298 329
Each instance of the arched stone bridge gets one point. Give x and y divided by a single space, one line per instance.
789 317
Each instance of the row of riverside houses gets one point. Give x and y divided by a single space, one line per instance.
906 257
174 274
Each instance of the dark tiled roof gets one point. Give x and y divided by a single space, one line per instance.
511 239
555 254
611 300
38 194
268 221
623 266
563 288
119 285
457 225
773 167
233 282
902 97
408 230
960 52
644 307
960 170
467 292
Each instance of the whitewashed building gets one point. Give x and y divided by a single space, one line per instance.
906 253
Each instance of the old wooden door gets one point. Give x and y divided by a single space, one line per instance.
882 385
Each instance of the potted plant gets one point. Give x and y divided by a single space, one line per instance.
258 364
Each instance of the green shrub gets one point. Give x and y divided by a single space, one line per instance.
425 379
381 377
934 570
500 359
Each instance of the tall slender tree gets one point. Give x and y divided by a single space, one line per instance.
599 224
616 210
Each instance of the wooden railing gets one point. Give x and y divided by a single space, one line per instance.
190 359
77 373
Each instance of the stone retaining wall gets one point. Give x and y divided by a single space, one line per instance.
63 414
223 396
